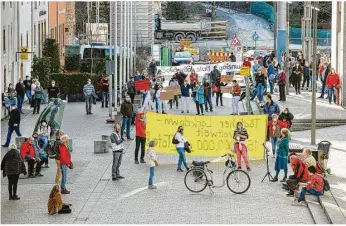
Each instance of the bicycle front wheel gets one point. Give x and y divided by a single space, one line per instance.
238 181
196 180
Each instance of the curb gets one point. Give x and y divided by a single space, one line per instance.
331 208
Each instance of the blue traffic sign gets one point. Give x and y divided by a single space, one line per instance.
255 36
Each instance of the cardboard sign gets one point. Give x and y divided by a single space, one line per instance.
167 95
226 78
226 89
142 85
175 89
244 71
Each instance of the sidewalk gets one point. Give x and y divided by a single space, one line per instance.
97 199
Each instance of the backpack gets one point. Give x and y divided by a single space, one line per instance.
175 141
273 77
326 186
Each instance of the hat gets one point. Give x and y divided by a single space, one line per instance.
13 146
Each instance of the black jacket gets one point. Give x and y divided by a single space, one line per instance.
180 77
12 164
131 89
126 109
260 79
14 117
288 116
20 89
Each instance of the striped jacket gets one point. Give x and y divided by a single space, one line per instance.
88 89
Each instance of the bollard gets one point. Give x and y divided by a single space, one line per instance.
100 146
19 141
106 138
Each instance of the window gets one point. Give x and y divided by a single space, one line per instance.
34 34
11 40
27 39
21 40
4 40
44 30
5 78
39 3
22 3
35 5
10 4
3 5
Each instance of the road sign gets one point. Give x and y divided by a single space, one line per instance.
235 41
24 55
244 71
255 36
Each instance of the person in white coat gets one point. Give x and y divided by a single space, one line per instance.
161 103
180 144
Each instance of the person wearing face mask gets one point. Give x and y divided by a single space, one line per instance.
219 94
126 110
13 124
33 87
207 96
88 91
27 84
185 95
11 95
180 145
297 74
236 91
240 135
53 91
41 153
173 82
193 78
274 133
20 89
199 98
117 148
332 82
306 73
286 117
282 85
29 154
38 97
44 131
260 84
282 155
140 136
131 90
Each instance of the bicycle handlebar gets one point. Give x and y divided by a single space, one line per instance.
229 155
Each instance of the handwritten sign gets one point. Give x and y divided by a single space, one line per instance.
226 78
208 135
226 89
167 95
245 71
175 89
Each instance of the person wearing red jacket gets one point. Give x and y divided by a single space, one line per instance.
140 136
332 82
28 154
65 162
315 186
104 90
282 85
193 78
246 63
301 174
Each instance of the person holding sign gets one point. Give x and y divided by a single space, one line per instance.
38 94
218 84
240 135
173 82
179 140
236 91
199 98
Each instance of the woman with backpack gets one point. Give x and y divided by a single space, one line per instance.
38 94
179 140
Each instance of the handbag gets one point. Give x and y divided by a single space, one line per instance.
70 166
187 147
215 89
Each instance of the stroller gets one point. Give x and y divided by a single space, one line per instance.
322 155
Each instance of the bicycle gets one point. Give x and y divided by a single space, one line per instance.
202 176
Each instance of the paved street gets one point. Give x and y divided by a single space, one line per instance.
96 199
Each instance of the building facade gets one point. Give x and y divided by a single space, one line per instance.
338 53
39 26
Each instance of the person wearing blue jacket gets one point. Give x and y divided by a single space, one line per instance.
271 107
199 98
185 94
271 76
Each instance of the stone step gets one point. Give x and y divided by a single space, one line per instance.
316 210
332 209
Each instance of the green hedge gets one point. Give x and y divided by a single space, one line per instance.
72 83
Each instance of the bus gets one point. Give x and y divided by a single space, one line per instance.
98 50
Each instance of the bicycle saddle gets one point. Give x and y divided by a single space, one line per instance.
195 163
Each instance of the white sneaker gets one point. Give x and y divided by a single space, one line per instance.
152 187
296 203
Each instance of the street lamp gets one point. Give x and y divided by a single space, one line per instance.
313 104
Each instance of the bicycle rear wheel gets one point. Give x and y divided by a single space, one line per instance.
196 180
238 181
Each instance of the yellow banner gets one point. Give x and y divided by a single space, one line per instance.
23 55
208 135
192 50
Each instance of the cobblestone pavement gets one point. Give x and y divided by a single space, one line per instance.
97 199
